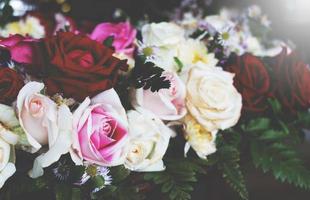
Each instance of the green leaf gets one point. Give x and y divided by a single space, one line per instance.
63 192
76 194
119 173
108 42
275 105
179 64
283 161
258 124
273 134
229 158
176 181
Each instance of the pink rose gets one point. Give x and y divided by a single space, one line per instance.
124 35
102 129
167 104
20 47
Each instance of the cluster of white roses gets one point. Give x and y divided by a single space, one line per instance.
201 96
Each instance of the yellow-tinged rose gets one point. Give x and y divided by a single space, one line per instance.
201 140
193 51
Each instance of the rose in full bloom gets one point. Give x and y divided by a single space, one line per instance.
162 34
22 48
167 104
197 137
77 66
44 123
251 80
149 140
123 36
292 87
10 84
101 127
212 98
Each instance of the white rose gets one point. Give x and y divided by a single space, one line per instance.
212 99
149 140
7 139
44 124
202 141
162 34
7 169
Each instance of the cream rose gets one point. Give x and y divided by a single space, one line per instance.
197 137
149 140
212 99
167 104
44 123
162 34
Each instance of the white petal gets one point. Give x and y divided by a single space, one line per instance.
61 146
6 173
7 116
186 148
8 136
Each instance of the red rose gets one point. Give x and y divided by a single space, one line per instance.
292 78
251 80
78 67
10 84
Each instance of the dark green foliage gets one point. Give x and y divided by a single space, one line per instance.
229 163
178 178
148 76
124 186
108 42
273 149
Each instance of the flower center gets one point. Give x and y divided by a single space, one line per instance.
225 36
91 170
35 106
147 51
199 57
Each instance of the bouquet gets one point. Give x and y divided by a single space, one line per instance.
121 111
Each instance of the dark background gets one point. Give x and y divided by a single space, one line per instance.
288 22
